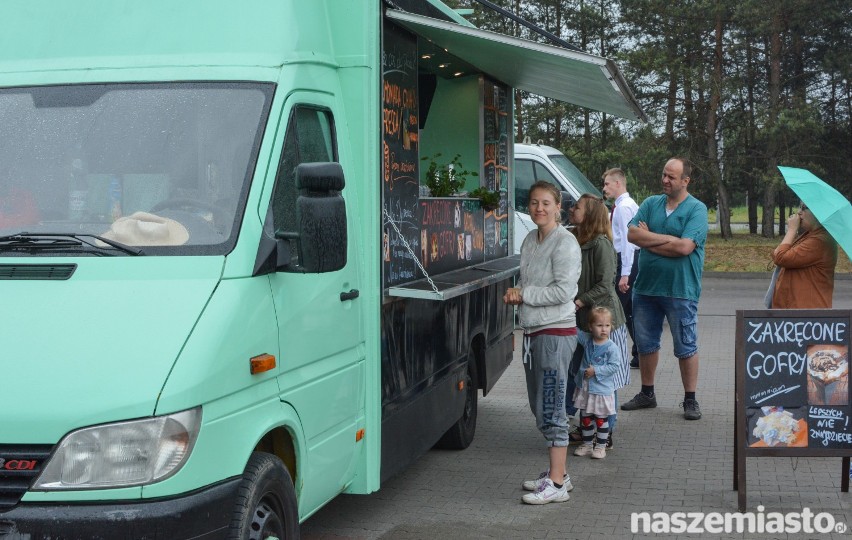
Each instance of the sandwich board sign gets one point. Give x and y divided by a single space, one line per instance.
792 387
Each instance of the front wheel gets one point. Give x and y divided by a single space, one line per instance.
266 502
460 434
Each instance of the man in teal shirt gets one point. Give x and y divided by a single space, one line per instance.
671 230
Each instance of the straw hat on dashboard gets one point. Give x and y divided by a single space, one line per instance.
144 229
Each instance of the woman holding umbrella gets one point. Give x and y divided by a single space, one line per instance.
806 257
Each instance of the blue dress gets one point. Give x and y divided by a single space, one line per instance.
596 395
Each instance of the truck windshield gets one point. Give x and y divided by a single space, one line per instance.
573 174
164 166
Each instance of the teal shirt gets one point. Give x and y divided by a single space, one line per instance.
676 277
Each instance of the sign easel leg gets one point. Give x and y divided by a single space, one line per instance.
736 462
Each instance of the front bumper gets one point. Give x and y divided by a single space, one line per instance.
203 514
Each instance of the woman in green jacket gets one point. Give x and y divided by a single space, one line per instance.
596 286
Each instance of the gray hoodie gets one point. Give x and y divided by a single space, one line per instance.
548 280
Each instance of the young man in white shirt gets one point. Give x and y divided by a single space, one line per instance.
623 210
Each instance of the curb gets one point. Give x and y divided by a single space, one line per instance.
738 275
762 275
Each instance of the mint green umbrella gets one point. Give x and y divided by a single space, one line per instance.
829 206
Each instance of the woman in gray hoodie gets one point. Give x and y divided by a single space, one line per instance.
550 268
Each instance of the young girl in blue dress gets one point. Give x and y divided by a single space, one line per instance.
595 392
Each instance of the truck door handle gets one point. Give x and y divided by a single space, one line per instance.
351 295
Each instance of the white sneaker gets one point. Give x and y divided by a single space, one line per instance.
533 485
548 493
599 452
584 450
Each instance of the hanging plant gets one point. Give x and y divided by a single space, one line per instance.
445 180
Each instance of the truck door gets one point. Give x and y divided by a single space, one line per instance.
321 334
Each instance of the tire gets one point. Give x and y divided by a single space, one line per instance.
266 502
460 435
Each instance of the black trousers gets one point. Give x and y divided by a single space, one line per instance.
626 299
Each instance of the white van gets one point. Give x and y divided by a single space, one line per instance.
534 162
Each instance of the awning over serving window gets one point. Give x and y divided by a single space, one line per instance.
574 77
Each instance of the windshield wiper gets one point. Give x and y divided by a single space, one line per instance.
26 240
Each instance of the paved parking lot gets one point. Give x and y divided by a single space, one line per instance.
661 462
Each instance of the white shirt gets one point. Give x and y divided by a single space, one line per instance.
625 209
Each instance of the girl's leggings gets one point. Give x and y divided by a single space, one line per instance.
588 423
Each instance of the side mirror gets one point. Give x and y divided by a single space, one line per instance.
320 242
321 218
567 203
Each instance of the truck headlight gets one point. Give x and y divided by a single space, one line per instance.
122 454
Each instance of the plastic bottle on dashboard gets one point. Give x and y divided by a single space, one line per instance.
115 192
78 191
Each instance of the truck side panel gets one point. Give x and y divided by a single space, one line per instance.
426 346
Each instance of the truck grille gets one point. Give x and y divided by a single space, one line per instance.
37 271
19 466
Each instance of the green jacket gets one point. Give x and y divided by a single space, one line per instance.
597 282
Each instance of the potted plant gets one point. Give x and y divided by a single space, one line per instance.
489 200
446 180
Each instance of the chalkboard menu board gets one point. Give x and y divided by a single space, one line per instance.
496 125
792 387
400 171
794 370
451 234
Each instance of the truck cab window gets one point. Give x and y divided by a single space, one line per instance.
527 172
310 138
541 173
524 179
163 165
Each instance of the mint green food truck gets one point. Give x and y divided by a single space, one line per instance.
228 294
